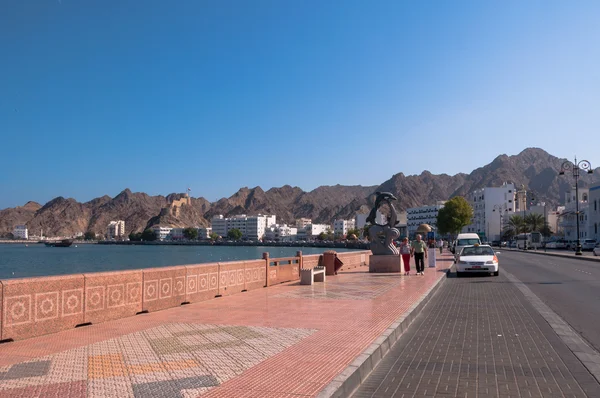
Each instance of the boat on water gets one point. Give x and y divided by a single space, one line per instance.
59 243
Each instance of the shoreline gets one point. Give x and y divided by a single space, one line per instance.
339 245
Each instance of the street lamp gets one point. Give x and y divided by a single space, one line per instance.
499 208
576 166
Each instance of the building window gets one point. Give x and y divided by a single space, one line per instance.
595 228
595 205
585 198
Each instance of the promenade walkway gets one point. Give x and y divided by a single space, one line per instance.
283 341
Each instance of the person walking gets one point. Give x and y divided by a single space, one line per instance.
405 251
418 248
441 245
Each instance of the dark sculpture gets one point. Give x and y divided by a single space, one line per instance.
385 244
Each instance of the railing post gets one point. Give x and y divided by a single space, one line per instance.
300 263
265 257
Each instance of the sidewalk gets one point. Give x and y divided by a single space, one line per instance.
282 341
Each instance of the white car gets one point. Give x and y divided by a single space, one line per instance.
597 250
477 259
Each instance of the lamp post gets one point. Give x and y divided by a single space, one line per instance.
576 166
500 208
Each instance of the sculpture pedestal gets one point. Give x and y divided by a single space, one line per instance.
385 263
431 254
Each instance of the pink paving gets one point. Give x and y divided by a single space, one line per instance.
285 340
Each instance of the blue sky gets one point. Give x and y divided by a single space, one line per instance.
158 96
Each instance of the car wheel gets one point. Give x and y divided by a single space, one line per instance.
496 273
458 274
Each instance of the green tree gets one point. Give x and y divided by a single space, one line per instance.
365 231
190 233
454 216
89 235
534 222
322 236
148 235
213 236
234 234
546 230
135 236
514 226
355 232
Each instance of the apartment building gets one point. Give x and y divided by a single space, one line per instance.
492 207
594 216
251 227
20 232
115 230
416 216
341 227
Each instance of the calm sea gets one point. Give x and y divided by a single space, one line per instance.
19 261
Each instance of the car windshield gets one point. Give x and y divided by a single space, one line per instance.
477 251
467 242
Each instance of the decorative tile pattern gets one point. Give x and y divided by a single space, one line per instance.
365 289
164 287
202 282
37 306
159 362
112 295
229 280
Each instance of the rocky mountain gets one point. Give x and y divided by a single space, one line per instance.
533 167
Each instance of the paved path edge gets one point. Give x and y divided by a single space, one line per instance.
345 383
586 354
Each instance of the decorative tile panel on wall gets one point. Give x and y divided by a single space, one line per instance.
112 295
231 277
37 306
254 274
202 282
1 311
163 288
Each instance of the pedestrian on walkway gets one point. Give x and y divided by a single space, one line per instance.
440 245
418 248
405 253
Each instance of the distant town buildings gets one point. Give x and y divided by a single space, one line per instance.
492 207
115 230
251 227
20 232
594 219
312 231
360 219
281 233
303 222
161 232
567 220
204 232
341 227
416 216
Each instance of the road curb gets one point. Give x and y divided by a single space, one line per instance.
345 383
584 258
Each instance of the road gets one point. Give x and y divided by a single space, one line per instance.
480 336
570 287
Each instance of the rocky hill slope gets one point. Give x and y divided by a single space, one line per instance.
533 167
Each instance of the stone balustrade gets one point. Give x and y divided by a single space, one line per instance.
32 307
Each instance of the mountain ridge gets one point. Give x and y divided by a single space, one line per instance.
535 168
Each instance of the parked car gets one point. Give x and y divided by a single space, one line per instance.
588 244
597 250
477 259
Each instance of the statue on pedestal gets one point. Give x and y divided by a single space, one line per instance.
382 236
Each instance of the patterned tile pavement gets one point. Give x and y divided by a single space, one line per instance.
479 337
286 340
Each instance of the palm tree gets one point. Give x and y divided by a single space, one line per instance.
514 226
534 222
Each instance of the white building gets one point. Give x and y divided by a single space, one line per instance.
253 227
341 227
594 213
281 233
360 220
568 218
20 232
115 230
311 231
492 207
303 222
176 234
161 232
416 216
204 232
